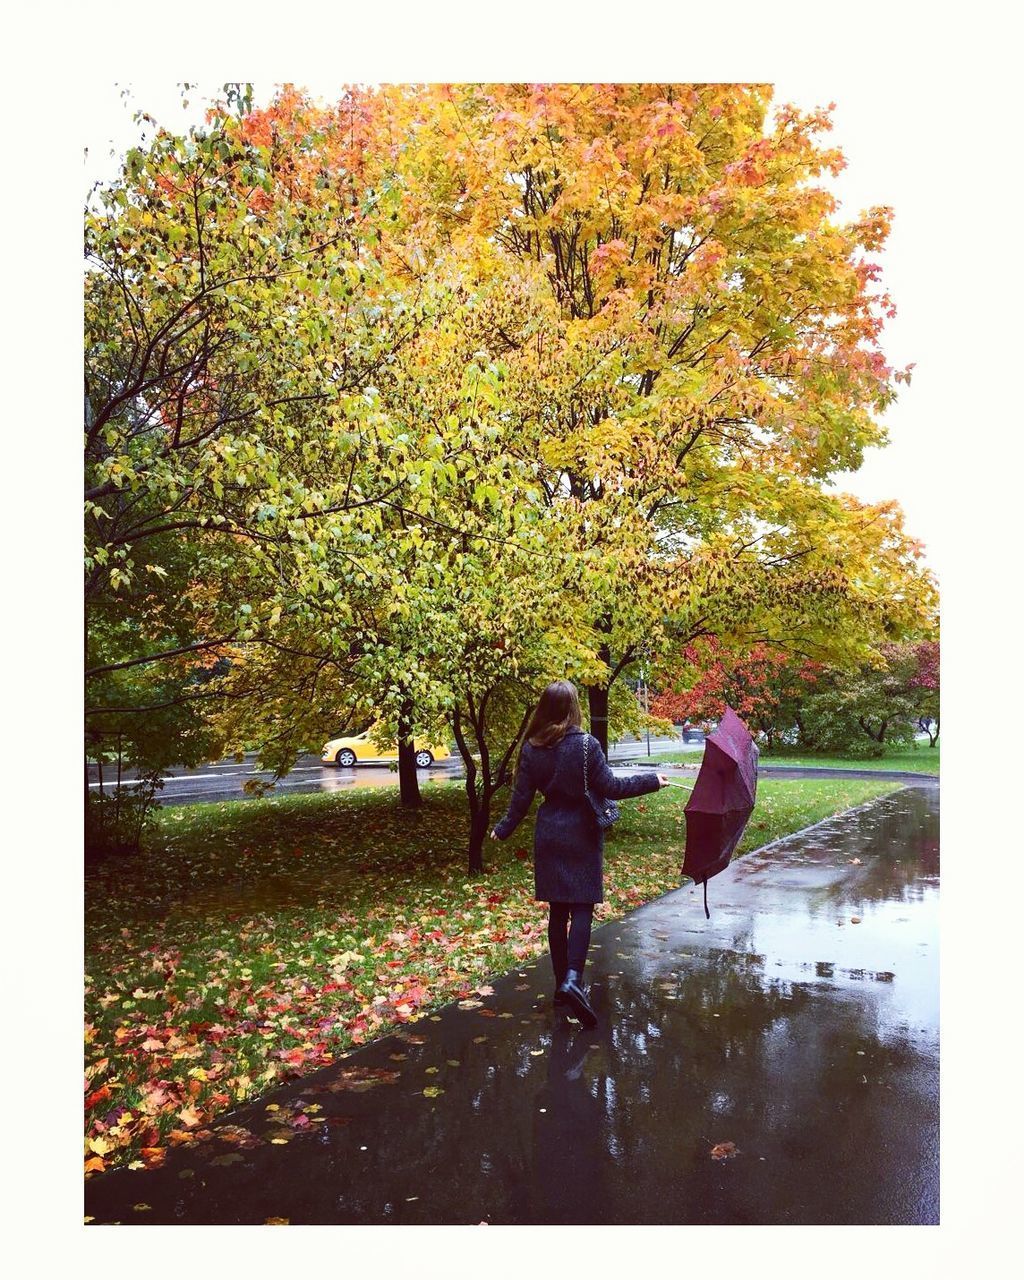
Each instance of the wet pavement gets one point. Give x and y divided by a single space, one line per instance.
776 1064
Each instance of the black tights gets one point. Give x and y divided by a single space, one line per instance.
569 952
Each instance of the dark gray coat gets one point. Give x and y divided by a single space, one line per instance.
568 844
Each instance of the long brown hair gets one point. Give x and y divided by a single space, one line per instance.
557 711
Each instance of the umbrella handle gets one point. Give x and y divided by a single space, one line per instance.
682 785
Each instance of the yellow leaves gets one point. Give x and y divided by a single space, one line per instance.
99 1146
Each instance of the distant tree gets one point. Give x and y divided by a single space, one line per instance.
761 685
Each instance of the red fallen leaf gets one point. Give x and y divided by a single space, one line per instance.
300 1122
724 1150
100 1095
521 854
153 1156
487 1013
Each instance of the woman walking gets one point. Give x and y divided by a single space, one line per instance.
568 843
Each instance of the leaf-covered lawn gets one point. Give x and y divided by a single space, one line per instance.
256 941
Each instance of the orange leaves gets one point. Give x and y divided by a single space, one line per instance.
724 1151
96 1097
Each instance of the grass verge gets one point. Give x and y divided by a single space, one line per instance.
257 941
921 760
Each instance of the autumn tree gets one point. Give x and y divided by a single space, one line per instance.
232 335
763 685
711 350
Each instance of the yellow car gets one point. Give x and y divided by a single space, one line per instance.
362 749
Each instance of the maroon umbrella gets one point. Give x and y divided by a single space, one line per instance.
722 801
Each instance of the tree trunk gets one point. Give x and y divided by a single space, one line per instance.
477 834
408 781
875 737
597 699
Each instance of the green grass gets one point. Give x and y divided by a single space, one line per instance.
258 940
922 760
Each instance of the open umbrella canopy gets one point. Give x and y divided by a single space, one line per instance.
722 800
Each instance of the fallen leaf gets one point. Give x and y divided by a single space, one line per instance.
432 1091
277 1222
724 1151
141 1208
854 919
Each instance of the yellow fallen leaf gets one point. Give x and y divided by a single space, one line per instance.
277 1222
432 1091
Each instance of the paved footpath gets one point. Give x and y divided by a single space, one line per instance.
776 1064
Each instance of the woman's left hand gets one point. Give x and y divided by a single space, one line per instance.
493 835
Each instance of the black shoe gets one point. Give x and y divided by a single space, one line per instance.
576 998
559 997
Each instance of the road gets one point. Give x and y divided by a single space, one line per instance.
224 780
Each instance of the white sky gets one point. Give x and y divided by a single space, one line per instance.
876 142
